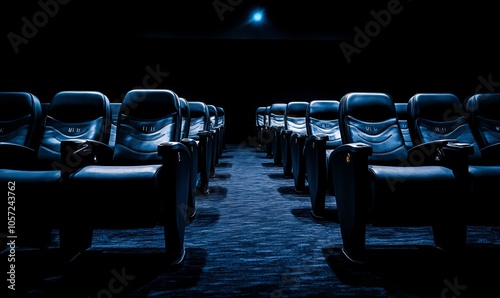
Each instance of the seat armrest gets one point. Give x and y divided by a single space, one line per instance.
446 152
80 153
17 156
171 152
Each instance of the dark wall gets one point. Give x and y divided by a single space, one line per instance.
400 48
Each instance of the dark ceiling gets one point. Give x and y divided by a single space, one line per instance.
207 50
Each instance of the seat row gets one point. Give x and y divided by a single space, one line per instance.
430 161
80 162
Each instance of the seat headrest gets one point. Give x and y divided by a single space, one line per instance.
296 109
486 105
17 104
198 109
78 106
369 107
149 103
437 106
324 109
278 108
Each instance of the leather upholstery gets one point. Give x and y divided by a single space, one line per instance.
439 116
276 125
70 115
403 117
292 143
146 183
21 125
199 130
322 123
376 183
214 126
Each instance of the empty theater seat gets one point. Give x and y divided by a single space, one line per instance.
221 122
323 135
38 184
276 125
442 116
145 182
21 125
292 147
403 117
115 108
199 130
376 183
192 146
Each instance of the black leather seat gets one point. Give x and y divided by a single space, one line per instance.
192 145
442 116
199 130
276 125
21 126
221 122
143 182
268 135
115 108
294 124
377 182
403 118
38 183
323 136
214 127
260 128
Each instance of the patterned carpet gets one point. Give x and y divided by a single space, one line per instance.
254 237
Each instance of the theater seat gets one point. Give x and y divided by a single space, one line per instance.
442 116
199 130
403 118
377 183
21 125
323 135
144 183
38 184
221 122
192 146
276 125
291 138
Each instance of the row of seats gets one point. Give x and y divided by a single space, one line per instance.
429 161
80 162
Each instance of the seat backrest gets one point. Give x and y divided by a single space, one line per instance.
323 119
115 109
438 116
295 116
20 119
74 115
260 117
200 118
277 115
221 116
148 117
402 112
212 112
185 117
267 117
370 118
484 117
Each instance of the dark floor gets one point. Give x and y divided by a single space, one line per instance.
254 237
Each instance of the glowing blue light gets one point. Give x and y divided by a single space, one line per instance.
257 16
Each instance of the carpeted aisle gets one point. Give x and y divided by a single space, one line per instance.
254 237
